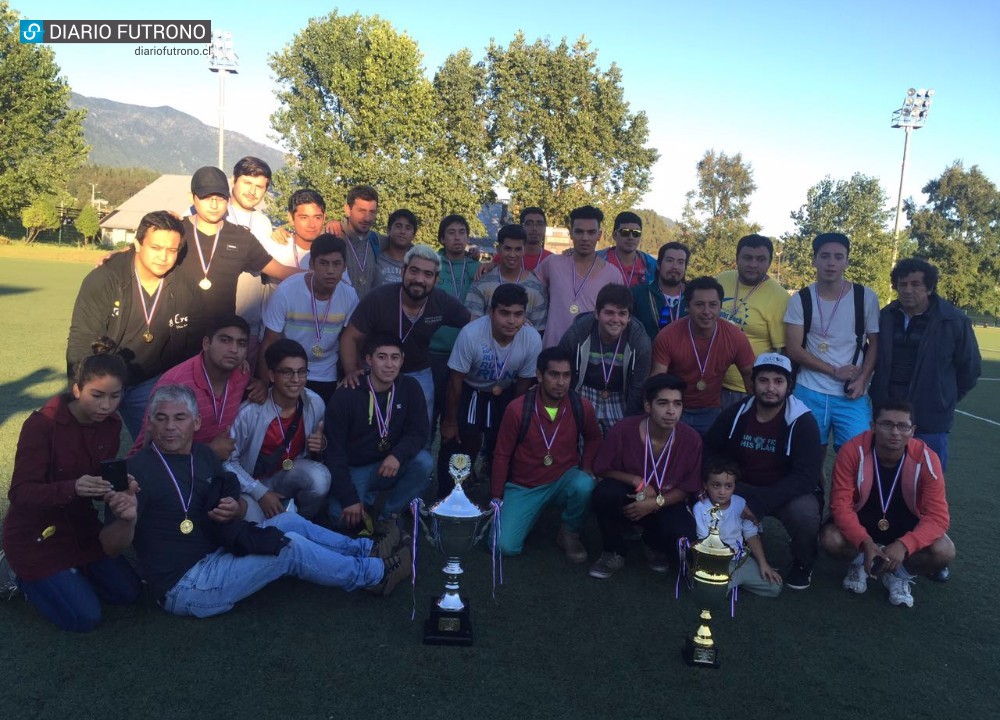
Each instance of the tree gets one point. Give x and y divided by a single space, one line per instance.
656 230
115 184
356 108
42 214
561 130
87 223
857 208
41 139
959 231
715 215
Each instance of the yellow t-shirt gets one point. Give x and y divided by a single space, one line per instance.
758 313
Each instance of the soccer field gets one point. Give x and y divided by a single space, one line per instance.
554 644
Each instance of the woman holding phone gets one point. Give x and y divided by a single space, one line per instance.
51 532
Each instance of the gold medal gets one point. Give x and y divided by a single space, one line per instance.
605 394
659 500
701 385
574 309
317 351
883 524
497 391
205 284
287 464
383 445
823 347
147 336
362 280
547 460
187 526
640 496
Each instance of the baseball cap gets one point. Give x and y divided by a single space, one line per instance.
773 360
209 181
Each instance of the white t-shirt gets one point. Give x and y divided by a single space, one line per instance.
290 311
477 354
251 293
840 338
733 529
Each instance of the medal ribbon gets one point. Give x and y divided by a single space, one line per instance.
197 246
824 331
658 475
454 283
382 421
496 356
350 245
413 323
519 273
281 426
547 440
578 290
315 308
883 502
702 366
621 268
211 393
605 370
177 487
142 298
746 298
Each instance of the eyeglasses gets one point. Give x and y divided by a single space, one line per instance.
288 373
629 232
887 426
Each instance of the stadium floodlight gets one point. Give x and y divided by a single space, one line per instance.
911 116
222 59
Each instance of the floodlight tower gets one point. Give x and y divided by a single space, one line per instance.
912 116
222 59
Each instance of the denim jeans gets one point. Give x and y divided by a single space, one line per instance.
938 442
133 405
72 598
220 580
308 483
426 379
700 419
410 482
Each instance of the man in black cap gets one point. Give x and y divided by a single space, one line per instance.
774 438
217 251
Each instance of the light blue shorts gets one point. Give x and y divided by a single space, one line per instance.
848 418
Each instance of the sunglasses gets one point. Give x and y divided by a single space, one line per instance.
629 232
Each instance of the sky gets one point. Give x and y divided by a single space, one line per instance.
801 90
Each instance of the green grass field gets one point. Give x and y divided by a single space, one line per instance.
555 644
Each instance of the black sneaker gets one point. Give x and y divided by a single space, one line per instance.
799 577
397 569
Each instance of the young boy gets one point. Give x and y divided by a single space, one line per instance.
753 572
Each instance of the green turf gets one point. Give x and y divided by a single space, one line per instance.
556 644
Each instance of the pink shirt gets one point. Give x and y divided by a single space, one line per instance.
558 274
191 374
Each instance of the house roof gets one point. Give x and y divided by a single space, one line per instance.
167 192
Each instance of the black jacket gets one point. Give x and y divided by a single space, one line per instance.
948 364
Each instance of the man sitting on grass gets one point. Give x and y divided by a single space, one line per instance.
194 549
888 506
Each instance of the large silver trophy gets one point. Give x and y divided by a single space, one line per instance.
454 526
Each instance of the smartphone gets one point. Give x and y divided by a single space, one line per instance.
116 473
878 566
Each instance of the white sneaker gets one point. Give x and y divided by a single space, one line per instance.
899 589
856 579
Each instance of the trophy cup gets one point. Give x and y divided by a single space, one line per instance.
710 563
456 524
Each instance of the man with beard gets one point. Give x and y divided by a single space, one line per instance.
637 267
217 378
774 438
699 349
753 302
660 301
362 242
402 229
411 311
312 309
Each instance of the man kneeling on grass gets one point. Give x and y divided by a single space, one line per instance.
195 550
888 506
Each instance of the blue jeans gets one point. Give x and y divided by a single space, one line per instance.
410 482
938 442
701 419
426 379
220 580
848 418
133 405
72 598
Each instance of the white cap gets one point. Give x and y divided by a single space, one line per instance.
774 360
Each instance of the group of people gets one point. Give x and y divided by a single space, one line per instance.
283 387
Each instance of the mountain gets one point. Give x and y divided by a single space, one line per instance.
161 138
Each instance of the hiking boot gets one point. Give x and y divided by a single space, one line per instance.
659 562
386 538
571 545
899 589
8 581
607 565
799 577
856 579
397 569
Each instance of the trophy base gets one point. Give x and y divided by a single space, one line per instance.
698 656
447 627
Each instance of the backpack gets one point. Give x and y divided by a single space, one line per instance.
861 338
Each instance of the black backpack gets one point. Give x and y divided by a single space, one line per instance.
861 337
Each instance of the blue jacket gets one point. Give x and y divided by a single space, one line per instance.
948 364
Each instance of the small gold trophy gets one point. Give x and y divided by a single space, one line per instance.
710 562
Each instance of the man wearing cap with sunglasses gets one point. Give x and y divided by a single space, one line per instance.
636 266
775 440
